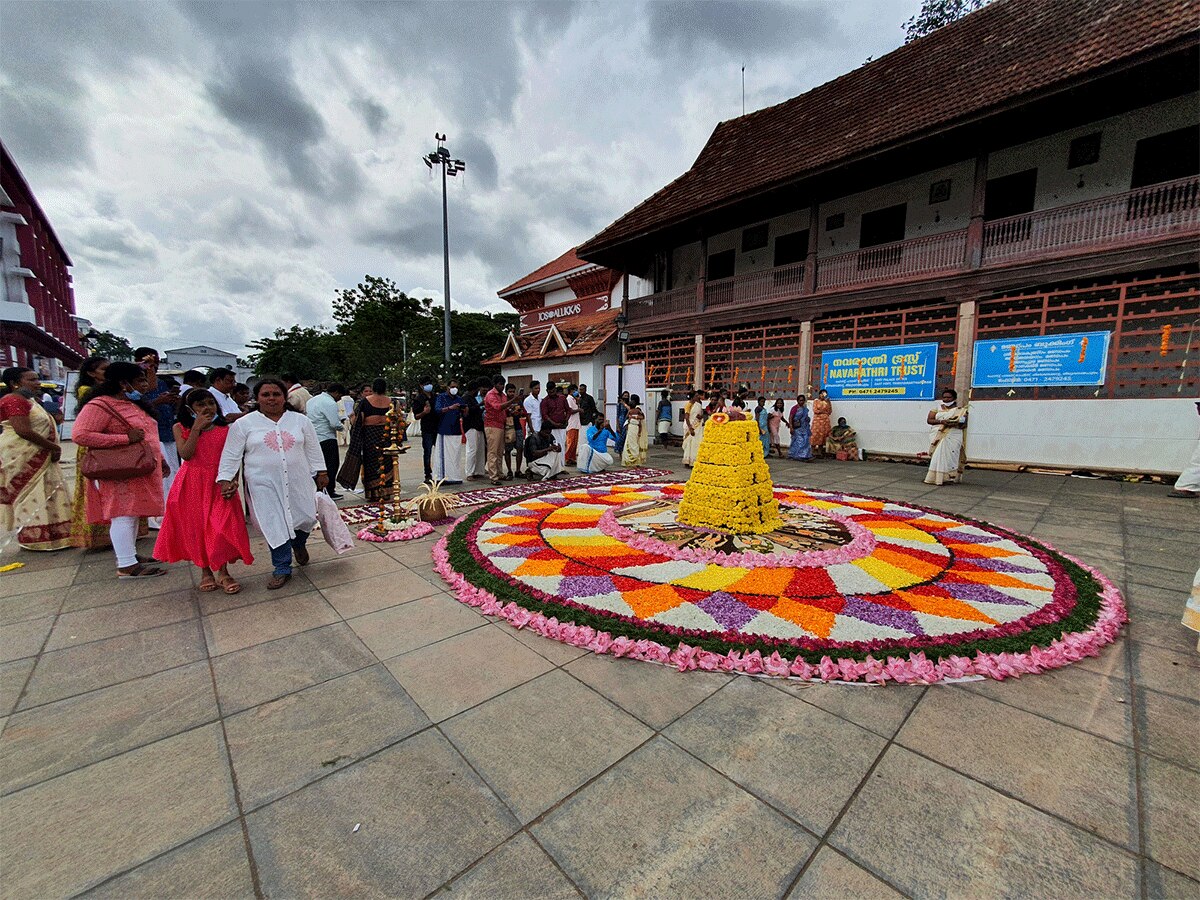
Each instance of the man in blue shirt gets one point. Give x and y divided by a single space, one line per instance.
448 452
324 412
163 397
594 456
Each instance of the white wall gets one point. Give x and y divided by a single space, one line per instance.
1124 435
1058 186
553 298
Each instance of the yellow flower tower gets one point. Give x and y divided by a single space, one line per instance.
730 488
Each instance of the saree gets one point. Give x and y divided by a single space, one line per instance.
801 426
691 442
365 458
33 496
843 439
821 427
946 448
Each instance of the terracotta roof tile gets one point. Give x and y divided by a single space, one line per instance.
564 263
1007 50
584 336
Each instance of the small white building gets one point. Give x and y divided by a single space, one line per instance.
204 358
568 327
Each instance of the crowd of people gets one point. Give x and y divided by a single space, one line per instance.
154 454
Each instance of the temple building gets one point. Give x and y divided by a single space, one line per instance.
1009 206
38 325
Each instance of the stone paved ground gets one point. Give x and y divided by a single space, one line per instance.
361 733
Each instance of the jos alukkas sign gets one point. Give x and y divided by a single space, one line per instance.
548 315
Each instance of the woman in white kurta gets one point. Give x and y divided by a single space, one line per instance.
282 456
694 428
946 440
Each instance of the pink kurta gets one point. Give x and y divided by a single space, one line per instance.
97 427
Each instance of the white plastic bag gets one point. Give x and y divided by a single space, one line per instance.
333 529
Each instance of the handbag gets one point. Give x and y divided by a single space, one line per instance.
118 463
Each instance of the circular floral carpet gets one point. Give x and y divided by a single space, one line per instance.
845 588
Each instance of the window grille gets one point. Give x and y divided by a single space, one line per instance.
670 360
763 356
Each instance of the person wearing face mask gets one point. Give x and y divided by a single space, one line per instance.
116 416
423 412
448 452
33 497
473 430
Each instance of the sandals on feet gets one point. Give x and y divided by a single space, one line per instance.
207 587
140 571
228 585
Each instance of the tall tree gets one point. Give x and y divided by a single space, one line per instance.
107 344
936 13
307 352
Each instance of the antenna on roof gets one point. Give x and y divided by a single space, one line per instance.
743 90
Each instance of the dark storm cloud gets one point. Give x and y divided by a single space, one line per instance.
475 151
115 242
261 98
372 113
739 27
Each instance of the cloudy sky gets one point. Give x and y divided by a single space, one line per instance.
217 170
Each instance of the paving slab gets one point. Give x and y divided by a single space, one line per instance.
800 759
97 623
464 670
830 876
423 816
260 622
1171 815
64 673
55 738
663 824
212 867
1080 777
658 695
72 832
933 832
20 607
398 629
1169 727
357 598
878 709
539 742
264 672
516 870
22 639
286 743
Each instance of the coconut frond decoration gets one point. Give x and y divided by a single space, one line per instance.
431 503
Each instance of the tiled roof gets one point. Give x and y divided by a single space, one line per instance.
1005 51
564 263
584 336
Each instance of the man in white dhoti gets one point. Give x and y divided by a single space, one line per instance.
594 455
693 427
282 457
543 454
946 440
1188 484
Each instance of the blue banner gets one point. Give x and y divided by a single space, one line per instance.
1052 360
899 372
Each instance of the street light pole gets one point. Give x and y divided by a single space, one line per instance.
441 157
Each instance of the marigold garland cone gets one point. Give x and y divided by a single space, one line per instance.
730 488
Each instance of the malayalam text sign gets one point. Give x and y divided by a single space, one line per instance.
1052 360
900 372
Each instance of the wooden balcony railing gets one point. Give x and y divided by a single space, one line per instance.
1154 211
742 290
889 262
1160 210
680 300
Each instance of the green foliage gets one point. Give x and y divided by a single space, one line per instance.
107 344
382 332
936 13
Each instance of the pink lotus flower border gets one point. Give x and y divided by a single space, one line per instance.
403 534
915 669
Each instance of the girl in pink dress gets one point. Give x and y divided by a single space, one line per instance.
200 525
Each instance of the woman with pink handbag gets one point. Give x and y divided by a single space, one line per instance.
124 465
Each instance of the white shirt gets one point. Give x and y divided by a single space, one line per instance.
573 405
280 459
322 411
298 397
533 406
347 407
225 403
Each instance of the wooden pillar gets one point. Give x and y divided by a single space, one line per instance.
975 226
965 347
810 260
703 273
804 363
698 368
